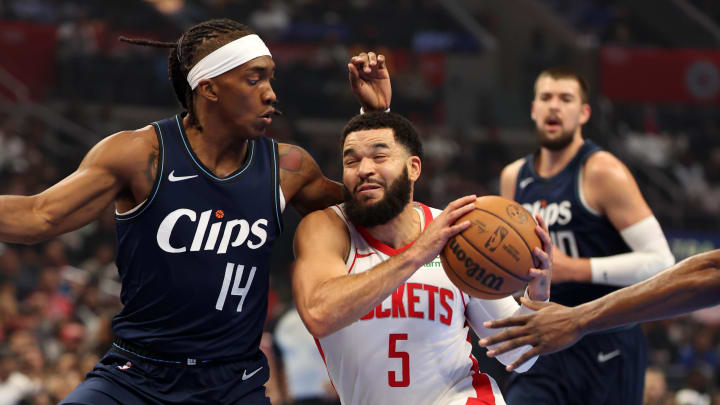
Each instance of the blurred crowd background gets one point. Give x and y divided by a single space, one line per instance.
462 71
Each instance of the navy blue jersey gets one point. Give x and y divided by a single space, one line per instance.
193 258
575 229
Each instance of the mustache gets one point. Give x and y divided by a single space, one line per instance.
369 181
276 111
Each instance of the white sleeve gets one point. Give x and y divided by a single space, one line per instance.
479 311
650 254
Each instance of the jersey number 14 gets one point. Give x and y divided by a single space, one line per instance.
236 289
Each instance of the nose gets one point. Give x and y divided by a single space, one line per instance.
268 96
366 168
554 103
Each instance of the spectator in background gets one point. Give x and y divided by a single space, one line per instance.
270 19
305 372
656 391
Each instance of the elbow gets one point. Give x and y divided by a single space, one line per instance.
316 322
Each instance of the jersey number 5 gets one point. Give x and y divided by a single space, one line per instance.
404 381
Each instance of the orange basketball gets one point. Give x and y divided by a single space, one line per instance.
491 259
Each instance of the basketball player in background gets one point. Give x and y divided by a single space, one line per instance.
198 199
605 237
692 284
369 284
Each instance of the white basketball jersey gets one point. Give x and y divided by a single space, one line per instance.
413 348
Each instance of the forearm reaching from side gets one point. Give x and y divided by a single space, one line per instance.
61 208
691 284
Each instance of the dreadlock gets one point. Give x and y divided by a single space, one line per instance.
193 45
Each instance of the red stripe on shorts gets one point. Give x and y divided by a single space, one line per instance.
482 385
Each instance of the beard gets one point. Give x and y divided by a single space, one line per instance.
397 196
560 143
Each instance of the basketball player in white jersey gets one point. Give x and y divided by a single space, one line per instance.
369 284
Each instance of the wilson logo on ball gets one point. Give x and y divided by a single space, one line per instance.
473 270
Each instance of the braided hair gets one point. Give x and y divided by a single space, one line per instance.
193 45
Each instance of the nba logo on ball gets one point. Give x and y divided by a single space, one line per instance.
496 266
496 238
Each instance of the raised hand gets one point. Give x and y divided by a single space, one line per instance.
539 286
370 81
443 227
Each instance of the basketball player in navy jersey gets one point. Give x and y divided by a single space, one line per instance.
689 285
605 237
198 200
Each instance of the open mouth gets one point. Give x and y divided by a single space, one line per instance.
267 116
553 122
366 187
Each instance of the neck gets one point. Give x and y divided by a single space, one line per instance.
401 230
551 162
216 146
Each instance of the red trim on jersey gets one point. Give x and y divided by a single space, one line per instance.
365 255
480 381
483 387
381 246
322 354
355 256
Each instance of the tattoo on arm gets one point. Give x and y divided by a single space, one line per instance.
291 160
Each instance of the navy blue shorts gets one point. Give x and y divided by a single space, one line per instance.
123 380
601 369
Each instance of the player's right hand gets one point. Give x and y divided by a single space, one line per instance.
443 227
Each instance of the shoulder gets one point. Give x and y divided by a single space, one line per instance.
508 178
125 149
293 157
605 170
512 169
322 230
321 221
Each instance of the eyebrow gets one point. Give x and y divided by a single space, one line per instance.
261 69
379 145
562 93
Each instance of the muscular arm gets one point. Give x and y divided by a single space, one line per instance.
610 189
327 298
302 182
691 284
75 200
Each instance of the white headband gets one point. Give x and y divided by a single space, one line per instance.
228 56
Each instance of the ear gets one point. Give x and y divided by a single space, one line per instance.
414 166
206 89
532 110
585 112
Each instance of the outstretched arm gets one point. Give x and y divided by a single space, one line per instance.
77 199
691 284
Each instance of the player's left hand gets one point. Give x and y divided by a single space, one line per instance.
370 81
552 328
539 286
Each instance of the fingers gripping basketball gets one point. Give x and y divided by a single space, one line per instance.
491 259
